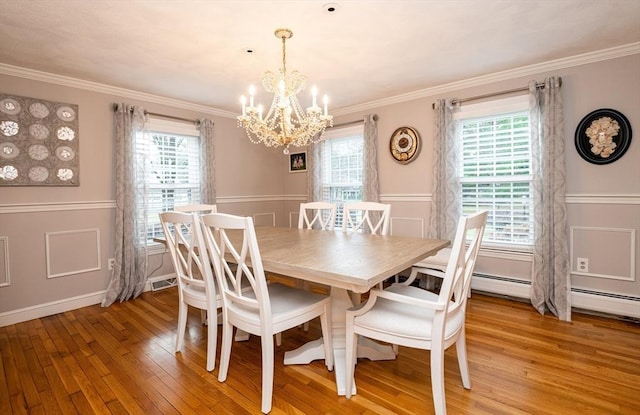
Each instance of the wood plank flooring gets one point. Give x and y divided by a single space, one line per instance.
120 360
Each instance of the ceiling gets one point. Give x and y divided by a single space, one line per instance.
194 50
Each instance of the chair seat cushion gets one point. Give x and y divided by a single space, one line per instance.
286 303
406 320
284 299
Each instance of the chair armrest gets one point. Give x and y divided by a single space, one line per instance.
376 293
421 270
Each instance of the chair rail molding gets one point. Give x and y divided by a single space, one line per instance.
603 199
587 198
60 206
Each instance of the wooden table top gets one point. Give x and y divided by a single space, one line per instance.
351 261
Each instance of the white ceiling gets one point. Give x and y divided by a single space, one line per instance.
365 51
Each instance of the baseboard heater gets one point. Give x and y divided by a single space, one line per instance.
611 304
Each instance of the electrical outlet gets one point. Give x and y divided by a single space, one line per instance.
583 264
110 263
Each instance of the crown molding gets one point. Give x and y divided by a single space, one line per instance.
34 75
529 70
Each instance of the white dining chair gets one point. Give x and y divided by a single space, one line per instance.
196 286
197 208
412 317
317 215
367 217
265 309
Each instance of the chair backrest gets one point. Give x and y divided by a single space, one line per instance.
457 279
369 217
231 241
322 214
192 265
196 208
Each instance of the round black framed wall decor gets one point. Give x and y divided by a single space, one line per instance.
603 136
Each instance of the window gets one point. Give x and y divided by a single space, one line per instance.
342 164
496 170
172 169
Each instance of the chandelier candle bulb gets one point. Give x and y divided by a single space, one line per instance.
243 100
325 100
252 91
286 123
314 93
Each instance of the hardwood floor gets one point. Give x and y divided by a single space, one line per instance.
120 360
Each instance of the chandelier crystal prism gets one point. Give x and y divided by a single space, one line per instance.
286 123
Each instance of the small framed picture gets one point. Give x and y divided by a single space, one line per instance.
298 162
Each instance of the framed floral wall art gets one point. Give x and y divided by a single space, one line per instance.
39 142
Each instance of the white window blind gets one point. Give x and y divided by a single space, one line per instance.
342 167
172 169
496 175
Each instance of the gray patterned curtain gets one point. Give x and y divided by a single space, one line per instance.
207 162
550 280
314 172
130 267
446 203
371 184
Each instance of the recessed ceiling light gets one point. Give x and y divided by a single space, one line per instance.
330 8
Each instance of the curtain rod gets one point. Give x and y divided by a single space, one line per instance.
354 122
493 94
172 117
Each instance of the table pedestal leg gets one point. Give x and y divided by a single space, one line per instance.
313 350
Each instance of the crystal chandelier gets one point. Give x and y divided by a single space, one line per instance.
286 123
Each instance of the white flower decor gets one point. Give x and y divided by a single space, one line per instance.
601 133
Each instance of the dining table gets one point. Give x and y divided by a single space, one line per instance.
346 262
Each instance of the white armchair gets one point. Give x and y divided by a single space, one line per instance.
410 316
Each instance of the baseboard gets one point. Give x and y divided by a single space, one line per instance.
49 309
581 299
64 305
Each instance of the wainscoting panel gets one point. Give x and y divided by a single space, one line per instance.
408 227
4 261
72 252
595 245
264 219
